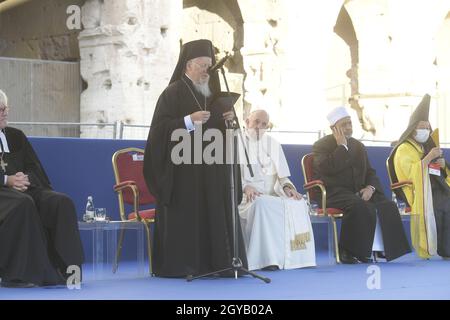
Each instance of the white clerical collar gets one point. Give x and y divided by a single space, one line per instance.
4 142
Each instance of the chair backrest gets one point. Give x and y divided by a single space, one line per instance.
308 173
128 165
390 168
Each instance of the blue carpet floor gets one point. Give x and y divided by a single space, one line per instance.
406 278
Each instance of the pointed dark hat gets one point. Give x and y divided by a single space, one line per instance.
191 50
421 113
198 48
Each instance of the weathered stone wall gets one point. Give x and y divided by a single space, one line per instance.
37 30
297 59
41 91
127 48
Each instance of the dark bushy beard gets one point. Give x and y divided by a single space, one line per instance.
203 88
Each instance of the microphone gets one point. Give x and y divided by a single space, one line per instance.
219 64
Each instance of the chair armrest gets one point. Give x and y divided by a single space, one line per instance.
123 184
131 185
319 184
401 184
314 183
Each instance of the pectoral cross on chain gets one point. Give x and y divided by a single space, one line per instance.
3 164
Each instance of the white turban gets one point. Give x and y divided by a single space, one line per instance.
337 114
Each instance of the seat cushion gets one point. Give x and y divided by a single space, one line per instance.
332 211
145 214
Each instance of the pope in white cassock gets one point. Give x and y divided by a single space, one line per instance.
274 217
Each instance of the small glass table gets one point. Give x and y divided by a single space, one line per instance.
102 264
330 235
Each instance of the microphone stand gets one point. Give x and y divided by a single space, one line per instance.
236 263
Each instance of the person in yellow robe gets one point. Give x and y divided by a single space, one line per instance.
418 159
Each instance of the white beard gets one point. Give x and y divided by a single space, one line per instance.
255 135
203 88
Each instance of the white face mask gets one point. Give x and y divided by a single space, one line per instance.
422 135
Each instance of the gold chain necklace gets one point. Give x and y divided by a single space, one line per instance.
198 103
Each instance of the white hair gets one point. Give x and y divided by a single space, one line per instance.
258 110
3 98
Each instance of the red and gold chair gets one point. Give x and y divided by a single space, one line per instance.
311 186
132 190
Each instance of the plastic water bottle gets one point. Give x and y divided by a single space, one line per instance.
401 207
312 207
399 203
90 210
394 198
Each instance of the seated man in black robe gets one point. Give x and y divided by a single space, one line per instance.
39 235
193 227
370 222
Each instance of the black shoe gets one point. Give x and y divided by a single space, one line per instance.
346 257
378 255
365 260
271 268
17 284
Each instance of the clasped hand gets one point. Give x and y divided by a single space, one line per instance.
436 155
19 181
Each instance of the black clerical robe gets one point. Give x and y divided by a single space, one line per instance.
440 187
193 227
345 173
39 235
441 205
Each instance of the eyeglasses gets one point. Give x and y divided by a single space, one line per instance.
4 109
203 66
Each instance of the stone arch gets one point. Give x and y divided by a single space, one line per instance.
221 22
229 12
396 53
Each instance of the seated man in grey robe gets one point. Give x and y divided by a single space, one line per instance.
274 217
